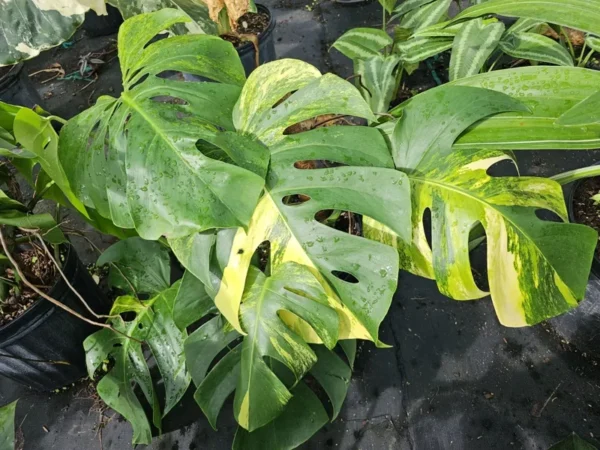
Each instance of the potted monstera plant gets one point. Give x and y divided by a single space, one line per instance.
273 291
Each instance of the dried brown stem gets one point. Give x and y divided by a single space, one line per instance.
64 277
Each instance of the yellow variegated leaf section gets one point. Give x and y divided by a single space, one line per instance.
267 224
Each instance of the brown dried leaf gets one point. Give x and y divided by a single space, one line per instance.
235 10
214 8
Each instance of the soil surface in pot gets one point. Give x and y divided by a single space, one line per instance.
249 23
585 209
39 270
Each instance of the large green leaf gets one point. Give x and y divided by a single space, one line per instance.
137 266
295 235
135 160
293 232
28 27
362 42
472 46
153 324
536 269
579 14
7 426
548 92
261 391
535 47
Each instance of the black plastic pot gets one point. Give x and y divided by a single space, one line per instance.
47 333
17 89
266 45
95 25
570 199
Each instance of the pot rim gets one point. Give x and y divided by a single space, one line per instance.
571 213
248 46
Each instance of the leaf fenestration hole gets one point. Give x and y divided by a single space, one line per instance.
295 199
315 164
503 168
345 276
169 99
427 225
547 215
212 151
261 256
478 256
345 221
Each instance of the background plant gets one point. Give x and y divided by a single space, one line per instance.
7 426
476 37
48 26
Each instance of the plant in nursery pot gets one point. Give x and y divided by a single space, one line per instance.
274 297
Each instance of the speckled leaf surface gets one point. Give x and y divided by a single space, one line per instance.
295 235
262 392
137 266
153 324
28 27
538 88
135 159
536 269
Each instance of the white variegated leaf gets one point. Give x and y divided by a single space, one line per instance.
426 15
28 27
532 46
419 49
377 80
362 42
472 46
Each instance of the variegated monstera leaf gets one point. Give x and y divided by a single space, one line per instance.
536 269
256 365
291 228
153 325
28 27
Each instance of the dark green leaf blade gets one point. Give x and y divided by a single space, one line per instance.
137 266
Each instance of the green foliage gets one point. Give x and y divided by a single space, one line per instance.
7 426
270 289
573 442
137 266
477 40
153 325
